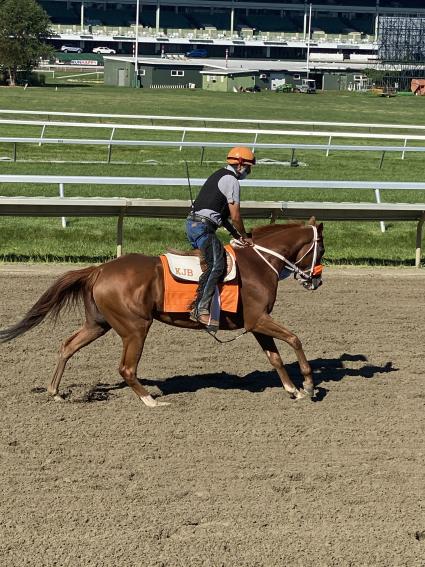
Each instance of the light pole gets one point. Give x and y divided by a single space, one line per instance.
136 50
308 44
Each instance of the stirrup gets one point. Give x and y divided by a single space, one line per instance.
204 319
193 316
212 329
211 325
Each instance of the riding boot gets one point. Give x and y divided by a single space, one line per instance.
213 253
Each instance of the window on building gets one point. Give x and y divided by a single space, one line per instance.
142 72
175 73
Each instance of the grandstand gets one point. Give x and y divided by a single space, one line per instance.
247 28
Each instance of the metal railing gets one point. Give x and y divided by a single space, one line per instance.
205 119
184 129
204 145
174 208
199 181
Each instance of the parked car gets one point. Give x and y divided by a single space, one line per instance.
104 50
197 53
307 86
71 49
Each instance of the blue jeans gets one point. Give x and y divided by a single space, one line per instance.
197 233
203 236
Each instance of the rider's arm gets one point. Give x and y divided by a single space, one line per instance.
230 187
237 222
230 228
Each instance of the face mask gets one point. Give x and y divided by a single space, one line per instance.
243 173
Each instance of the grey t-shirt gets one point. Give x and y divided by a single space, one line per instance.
229 186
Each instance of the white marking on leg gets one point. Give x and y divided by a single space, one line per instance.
58 398
151 402
301 394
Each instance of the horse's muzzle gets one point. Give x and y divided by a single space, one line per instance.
312 284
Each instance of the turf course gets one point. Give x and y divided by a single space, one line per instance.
94 239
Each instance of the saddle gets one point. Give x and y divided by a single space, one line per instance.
181 278
188 266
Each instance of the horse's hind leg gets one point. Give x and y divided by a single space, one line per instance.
132 351
269 347
89 332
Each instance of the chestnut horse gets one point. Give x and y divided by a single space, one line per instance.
126 294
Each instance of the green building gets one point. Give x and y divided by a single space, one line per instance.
341 81
152 73
229 80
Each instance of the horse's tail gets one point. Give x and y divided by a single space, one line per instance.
66 291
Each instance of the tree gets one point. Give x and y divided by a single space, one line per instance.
24 28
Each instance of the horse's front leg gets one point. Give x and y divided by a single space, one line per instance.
269 347
265 325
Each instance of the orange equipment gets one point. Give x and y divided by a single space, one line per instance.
240 155
417 86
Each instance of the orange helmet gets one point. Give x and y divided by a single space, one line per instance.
240 155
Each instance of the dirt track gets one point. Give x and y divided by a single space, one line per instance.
233 473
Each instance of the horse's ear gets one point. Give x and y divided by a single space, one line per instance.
312 221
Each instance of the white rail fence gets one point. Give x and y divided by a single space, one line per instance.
203 145
199 181
195 129
205 119
159 208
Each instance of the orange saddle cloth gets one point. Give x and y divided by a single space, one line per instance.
178 296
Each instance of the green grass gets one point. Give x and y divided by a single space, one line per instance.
94 239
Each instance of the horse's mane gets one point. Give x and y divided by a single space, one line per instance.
262 231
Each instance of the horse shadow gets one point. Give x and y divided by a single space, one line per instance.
324 370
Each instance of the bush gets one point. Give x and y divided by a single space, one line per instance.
287 88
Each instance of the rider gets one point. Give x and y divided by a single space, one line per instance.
218 199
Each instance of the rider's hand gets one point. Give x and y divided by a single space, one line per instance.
246 241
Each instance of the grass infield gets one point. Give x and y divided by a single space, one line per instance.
93 240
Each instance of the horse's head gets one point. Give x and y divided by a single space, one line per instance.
298 249
309 257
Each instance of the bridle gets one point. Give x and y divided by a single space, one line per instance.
305 275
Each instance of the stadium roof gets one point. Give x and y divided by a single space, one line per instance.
247 65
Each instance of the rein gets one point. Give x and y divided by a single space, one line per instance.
292 267
227 340
306 275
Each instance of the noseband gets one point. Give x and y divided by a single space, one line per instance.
306 275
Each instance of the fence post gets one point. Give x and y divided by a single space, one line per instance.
110 145
42 134
378 200
405 144
183 137
419 241
62 195
120 224
382 160
329 143
202 155
255 141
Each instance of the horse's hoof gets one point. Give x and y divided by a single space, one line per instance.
301 394
309 392
58 398
152 402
